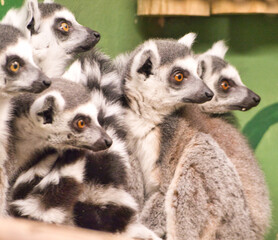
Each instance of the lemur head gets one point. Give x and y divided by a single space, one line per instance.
63 116
162 74
18 72
55 35
223 79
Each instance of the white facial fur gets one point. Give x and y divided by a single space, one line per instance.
155 91
214 70
50 53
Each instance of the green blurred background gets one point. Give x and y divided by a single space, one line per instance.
253 41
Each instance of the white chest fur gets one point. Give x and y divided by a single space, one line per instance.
4 116
144 141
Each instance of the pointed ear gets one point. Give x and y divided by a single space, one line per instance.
188 39
218 49
146 63
45 108
33 16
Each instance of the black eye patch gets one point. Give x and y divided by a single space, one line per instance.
13 60
58 28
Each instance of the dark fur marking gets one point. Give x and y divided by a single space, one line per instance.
23 189
47 9
36 157
105 168
146 68
68 157
80 92
31 26
218 64
64 194
93 84
110 218
105 122
111 93
229 117
9 36
170 50
203 69
96 57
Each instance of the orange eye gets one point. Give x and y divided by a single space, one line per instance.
64 26
225 85
81 124
14 66
179 77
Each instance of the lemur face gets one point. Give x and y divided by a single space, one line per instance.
55 35
223 79
18 72
164 73
65 121
57 28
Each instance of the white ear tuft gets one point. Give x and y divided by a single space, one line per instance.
218 49
188 39
48 1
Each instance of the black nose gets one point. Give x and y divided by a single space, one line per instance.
256 99
108 142
47 82
103 142
209 95
96 34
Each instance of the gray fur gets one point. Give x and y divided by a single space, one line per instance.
48 9
74 99
207 196
215 71
217 64
231 199
9 36
169 51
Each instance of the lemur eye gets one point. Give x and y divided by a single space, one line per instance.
14 66
225 85
178 77
64 26
81 124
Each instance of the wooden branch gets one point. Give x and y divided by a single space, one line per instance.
173 7
244 6
19 229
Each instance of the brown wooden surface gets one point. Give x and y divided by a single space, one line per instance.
173 7
244 6
18 229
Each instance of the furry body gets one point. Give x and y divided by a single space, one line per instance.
80 188
166 166
18 74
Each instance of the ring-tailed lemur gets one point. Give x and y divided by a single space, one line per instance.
224 80
58 181
18 74
176 146
56 37
97 72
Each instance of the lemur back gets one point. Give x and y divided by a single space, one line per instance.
232 94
